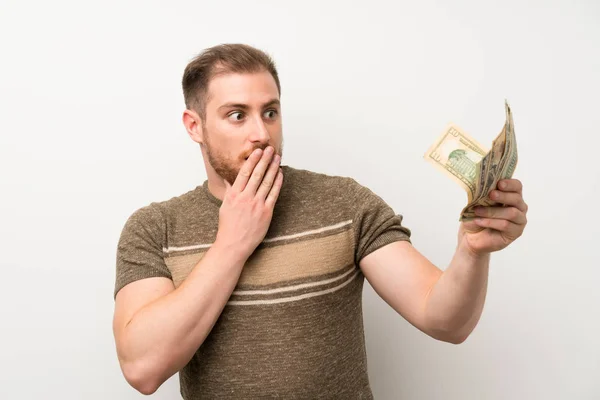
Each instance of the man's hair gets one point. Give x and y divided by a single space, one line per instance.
221 59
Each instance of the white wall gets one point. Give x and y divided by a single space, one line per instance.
90 129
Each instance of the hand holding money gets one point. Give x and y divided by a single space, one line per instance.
495 200
472 166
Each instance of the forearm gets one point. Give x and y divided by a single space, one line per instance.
455 303
162 337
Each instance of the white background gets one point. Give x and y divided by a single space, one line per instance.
90 130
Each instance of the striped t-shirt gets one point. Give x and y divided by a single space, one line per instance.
293 327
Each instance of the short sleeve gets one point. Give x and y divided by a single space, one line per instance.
140 248
376 223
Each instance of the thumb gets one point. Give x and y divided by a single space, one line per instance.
470 226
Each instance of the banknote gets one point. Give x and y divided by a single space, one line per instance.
458 155
476 169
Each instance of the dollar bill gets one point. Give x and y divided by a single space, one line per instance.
476 169
458 155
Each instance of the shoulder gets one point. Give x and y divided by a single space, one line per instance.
340 191
321 183
327 195
155 214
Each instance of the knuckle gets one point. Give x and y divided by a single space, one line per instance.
513 213
231 196
267 182
241 199
254 179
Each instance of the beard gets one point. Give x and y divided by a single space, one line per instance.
228 167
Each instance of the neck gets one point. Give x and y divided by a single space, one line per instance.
216 183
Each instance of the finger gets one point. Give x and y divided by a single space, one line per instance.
507 227
246 171
513 199
471 226
275 190
511 185
259 171
269 179
512 214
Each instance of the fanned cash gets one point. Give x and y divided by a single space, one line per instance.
476 169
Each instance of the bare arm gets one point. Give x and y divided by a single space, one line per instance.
446 305
455 303
158 328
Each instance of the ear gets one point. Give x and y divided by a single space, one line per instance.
193 125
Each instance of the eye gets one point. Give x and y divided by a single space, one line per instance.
271 114
235 116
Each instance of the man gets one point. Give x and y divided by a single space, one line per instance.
250 285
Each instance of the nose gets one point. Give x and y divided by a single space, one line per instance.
260 133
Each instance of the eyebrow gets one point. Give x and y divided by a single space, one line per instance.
245 106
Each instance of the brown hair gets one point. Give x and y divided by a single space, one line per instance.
224 58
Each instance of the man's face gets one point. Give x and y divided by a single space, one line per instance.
242 114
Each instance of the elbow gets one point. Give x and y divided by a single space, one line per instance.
457 338
140 377
450 335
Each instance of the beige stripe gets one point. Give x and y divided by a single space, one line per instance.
173 249
185 248
293 287
181 266
293 298
297 260
307 233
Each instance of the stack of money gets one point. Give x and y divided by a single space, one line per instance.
472 166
